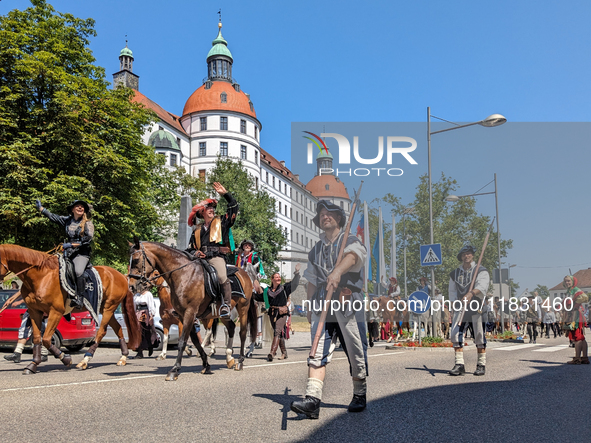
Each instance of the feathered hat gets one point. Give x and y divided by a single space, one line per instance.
197 210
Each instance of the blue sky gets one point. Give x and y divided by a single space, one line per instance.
386 62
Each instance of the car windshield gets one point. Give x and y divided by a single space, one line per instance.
5 295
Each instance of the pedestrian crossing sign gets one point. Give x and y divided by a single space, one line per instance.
431 255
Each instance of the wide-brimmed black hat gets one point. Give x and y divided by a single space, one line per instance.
331 207
247 242
466 248
79 202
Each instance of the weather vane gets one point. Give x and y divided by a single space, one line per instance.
220 14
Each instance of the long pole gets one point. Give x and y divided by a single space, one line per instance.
430 202
404 229
499 252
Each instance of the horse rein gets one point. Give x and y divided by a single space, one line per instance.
24 270
143 278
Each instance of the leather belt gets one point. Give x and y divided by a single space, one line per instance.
215 249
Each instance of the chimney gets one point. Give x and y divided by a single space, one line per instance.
297 177
282 163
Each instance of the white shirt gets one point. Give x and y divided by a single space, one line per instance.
145 298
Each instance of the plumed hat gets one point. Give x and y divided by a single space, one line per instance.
197 210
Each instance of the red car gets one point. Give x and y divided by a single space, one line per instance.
73 334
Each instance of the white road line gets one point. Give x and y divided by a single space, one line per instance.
517 347
551 348
58 385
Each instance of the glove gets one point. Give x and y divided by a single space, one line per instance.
67 245
38 205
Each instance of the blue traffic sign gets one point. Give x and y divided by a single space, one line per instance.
431 255
419 302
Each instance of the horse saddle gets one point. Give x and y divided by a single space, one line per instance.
212 286
93 294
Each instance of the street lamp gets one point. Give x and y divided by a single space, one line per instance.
407 210
489 122
455 198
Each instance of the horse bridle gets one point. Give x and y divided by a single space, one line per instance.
143 278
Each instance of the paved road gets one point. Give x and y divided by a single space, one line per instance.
528 394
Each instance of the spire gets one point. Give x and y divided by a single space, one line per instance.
219 59
125 76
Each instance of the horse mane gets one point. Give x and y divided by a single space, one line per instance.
42 260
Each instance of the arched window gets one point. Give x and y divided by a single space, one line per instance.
224 97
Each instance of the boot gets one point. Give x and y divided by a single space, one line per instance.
458 370
480 370
584 360
309 406
273 348
283 349
227 305
14 357
358 403
574 361
77 300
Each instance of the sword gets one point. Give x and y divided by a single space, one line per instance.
322 320
461 318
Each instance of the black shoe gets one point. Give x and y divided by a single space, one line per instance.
138 355
258 345
14 357
225 311
358 403
458 370
309 406
479 370
44 358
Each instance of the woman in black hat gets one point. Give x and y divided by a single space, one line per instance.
79 232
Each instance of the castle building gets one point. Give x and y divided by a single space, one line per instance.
219 118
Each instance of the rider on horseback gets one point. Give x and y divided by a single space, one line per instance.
79 231
210 239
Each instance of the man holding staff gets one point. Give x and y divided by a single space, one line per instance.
326 273
468 282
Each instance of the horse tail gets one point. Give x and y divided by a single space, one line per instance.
131 321
252 320
214 329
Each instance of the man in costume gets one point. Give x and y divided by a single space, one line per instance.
460 281
211 239
249 260
393 288
574 319
348 324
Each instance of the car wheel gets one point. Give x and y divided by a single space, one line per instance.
56 340
74 348
161 338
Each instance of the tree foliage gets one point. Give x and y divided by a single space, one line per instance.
453 225
64 136
542 291
256 217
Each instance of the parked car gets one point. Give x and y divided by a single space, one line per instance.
73 335
173 333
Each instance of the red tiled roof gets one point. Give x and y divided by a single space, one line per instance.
165 116
210 100
336 188
583 280
268 159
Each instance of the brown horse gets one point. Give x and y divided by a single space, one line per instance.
186 281
43 294
397 319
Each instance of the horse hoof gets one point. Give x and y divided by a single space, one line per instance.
122 361
230 364
211 353
67 360
82 365
249 354
206 370
161 357
189 352
239 366
172 376
27 371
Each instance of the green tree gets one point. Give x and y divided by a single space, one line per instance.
64 136
257 216
453 225
542 291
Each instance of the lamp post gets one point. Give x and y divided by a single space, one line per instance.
455 198
407 210
489 122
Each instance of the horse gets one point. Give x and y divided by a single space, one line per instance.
42 293
185 277
168 318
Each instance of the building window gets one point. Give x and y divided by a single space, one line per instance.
286 210
256 182
291 234
306 221
223 123
267 177
202 149
178 142
342 205
297 216
224 97
285 188
297 237
279 186
280 207
243 126
172 159
203 122
326 187
202 175
291 213
289 192
224 149
256 158
243 152
256 132
273 182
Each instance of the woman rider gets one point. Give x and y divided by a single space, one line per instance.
79 231
276 298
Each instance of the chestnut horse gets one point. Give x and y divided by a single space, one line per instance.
42 293
185 279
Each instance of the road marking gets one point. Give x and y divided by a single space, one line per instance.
517 347
78 383
551 348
